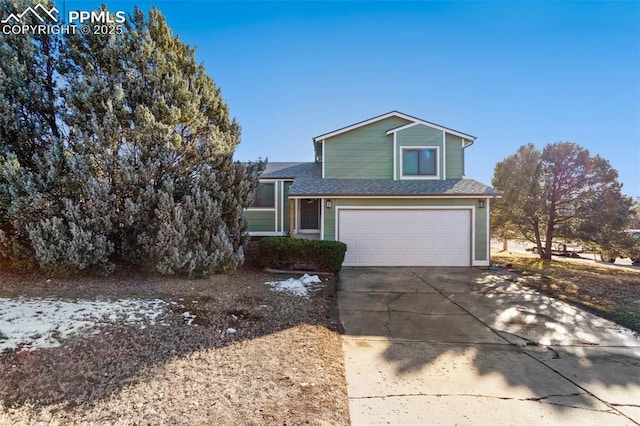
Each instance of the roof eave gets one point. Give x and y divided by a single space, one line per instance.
378 195
394 113
354 126
270 178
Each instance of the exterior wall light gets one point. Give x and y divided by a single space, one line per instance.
329 204
481 204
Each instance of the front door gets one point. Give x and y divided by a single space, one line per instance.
309 213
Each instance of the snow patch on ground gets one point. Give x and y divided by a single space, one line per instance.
188 317
32 323
297 286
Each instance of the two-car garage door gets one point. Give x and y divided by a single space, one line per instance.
408 237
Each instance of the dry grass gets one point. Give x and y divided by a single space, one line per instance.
608 290
283 366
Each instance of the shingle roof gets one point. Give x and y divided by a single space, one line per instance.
292 170
384 187
308 181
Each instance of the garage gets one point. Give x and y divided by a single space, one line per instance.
405 237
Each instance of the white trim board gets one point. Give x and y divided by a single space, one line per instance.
444 155
321 218
323 158
260 209
395 157
487 206
294 225
283 210
275 192
398 114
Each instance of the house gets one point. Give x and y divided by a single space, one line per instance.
390 187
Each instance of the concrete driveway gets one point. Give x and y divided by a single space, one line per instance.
468 346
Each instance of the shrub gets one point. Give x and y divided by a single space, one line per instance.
59 215
192 238
298 253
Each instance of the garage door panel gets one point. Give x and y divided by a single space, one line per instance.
417 237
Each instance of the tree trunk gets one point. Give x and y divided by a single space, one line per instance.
552 217
547 249
505 244
536 230
49 108
548 244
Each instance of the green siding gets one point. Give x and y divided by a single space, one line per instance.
261 221
272 221
367 152
418 135
455 155
362 153
481 233
480 236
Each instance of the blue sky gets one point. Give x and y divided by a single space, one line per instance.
507 72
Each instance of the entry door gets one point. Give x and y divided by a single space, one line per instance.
309 213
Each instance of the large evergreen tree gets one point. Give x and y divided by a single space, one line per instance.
29 124
144 171
561 192
28 88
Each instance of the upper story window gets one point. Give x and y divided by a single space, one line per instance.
264 196
420 162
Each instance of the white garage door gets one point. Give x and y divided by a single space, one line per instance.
406 237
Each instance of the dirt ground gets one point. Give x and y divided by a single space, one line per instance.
284 365
610 291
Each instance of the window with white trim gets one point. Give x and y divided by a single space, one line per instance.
420 162
264 197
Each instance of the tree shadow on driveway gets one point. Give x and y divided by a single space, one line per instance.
476 333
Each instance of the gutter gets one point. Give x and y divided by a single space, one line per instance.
441 195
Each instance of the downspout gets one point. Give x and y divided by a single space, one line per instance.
463 148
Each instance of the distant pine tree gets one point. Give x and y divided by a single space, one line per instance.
562 192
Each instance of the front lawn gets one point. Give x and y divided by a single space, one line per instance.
223 350
610 291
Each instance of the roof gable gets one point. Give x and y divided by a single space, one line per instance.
413 121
